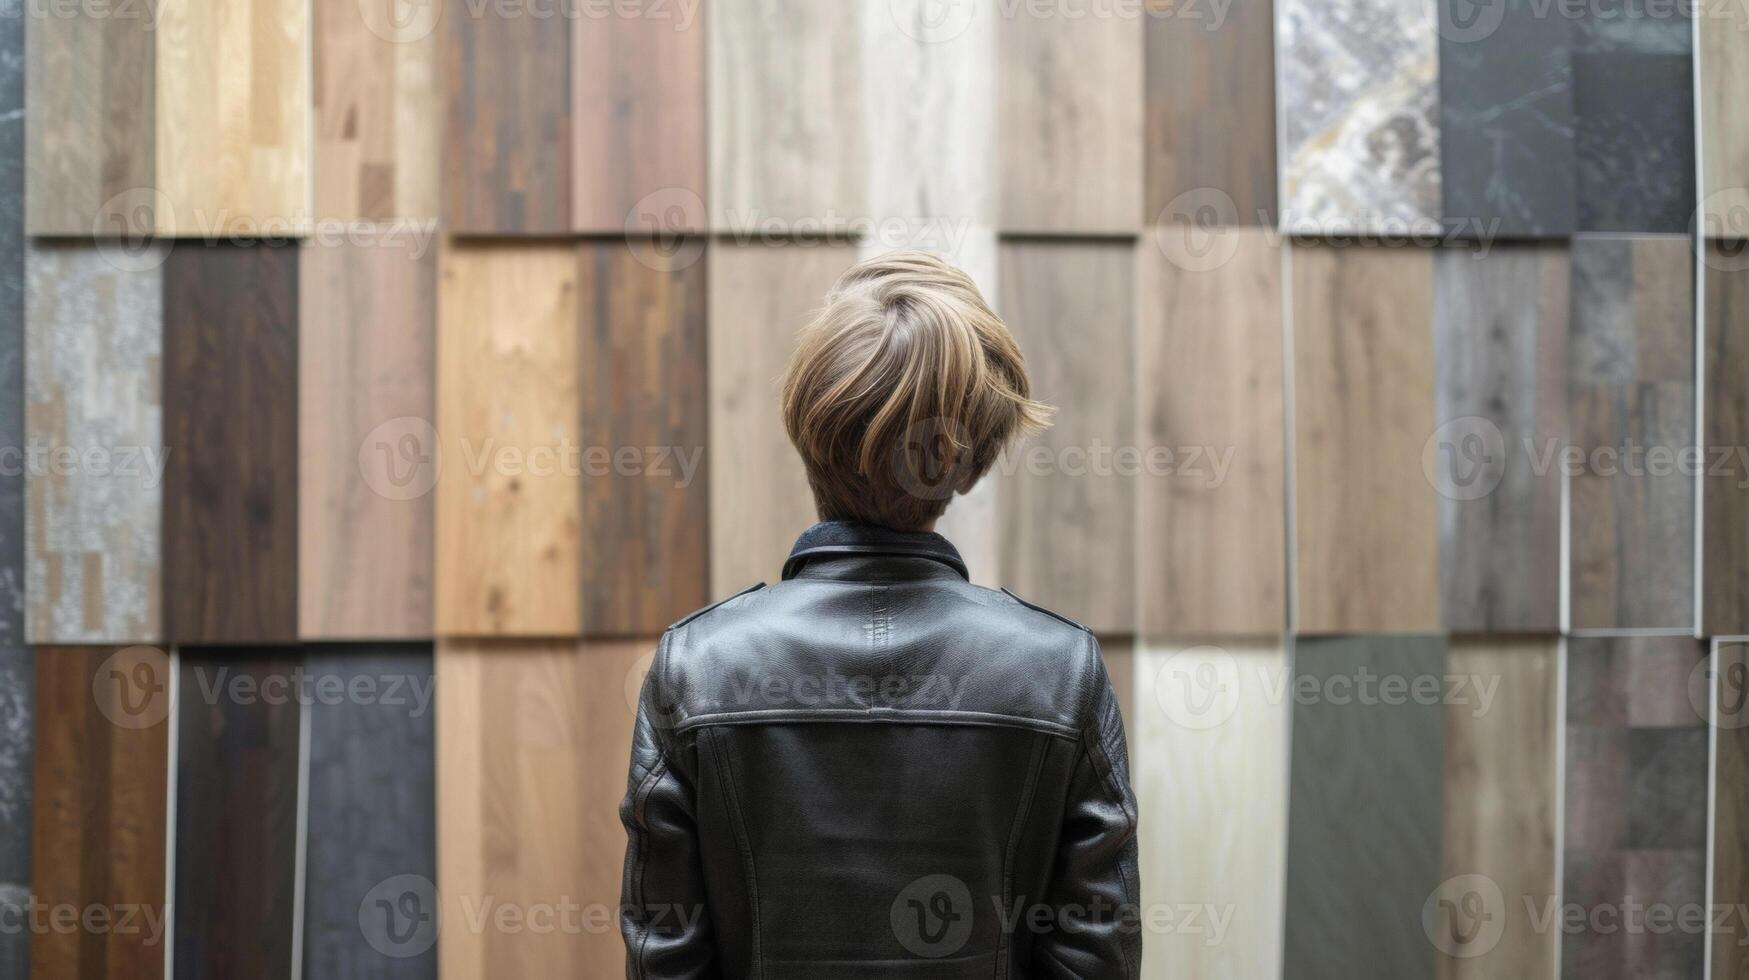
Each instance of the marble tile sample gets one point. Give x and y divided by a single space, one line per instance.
1633 106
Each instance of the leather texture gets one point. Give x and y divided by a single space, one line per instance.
876 769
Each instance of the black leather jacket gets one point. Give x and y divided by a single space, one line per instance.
877 769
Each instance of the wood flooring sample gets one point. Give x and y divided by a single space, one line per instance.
1367 534
231 418
1726 565
1728 695
1212 558
378 109
509 493
1724 133
367 349
93 361
102 772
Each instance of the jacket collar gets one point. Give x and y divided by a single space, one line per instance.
829 538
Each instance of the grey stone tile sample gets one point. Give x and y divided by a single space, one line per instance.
1633 105
17 684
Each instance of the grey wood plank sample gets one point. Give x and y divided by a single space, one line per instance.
1364 809
1500 363
1633 106
372 837
1729 698
17 687
1631 378
1636 801
1724 130
1725 568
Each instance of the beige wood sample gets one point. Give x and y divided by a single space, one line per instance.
378 110
1724 132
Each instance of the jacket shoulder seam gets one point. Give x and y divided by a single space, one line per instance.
1059 617
689 617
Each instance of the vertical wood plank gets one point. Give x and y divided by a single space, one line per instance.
646 490
760 296
508 497
378 109
94 356
367 359
1724 134
1367 534
1210 390
1633 115
1729 700
1726 564
230 419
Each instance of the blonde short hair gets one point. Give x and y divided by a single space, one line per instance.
904 388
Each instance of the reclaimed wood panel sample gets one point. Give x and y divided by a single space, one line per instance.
1365 808
1366 527
367 360
508 494
371 844
507 146
1636 801
646 491
1209 95
94 355
1068 508
638 119
102 772
1725 569
1633 110
1500 360
17 684
1631 378
1210 390
760 296
1728 696
1069 121
1502 778
230 413
378 109
1724 133
1209 750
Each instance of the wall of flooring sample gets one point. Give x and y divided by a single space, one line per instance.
230 416
236 812
1631 378
1633 108
371 857
367 357
1724 134
509 493
1360 106
1500 358
646 491
93 515
1725 567
17 685
1363 411
1067 504
1209 390
760 295
786 124
102 768
1365 808
1210 101
1728 697
1208 732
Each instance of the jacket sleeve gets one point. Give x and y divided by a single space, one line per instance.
1095 883
663 914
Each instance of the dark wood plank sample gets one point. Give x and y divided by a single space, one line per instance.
1636 801
1725 569
102 775
1364 809
1729 698
1500 360
17 689
1633 108
507 145
372 827
1210 113
646 492
230 419
236 813
1631 378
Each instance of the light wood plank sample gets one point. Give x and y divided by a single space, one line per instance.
508 493
1502 778
1367 534
531 766
232 115
378 109
1500 356
1726 565
1631 382
1069 126
93 354
230 412
786 117
1729 700
1209 389
89 125
1209 760
760 296
1724 133
367 355
646 490
102 772
638 119
507 147
1068 506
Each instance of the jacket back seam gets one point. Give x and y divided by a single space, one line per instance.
732 799
1022 813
